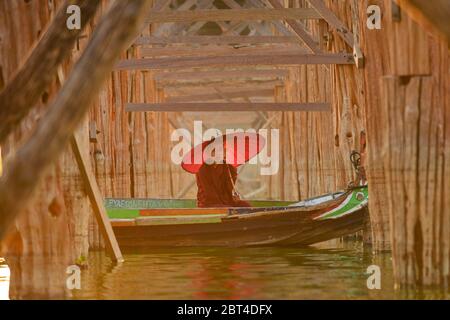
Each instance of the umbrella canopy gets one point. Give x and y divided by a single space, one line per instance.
235 149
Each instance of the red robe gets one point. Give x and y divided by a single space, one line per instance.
215 187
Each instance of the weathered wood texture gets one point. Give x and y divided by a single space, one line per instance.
68 110
414 159
407 105
375 46
298 29
306 164
234 60
213 50
232 15
347 93
221 74
96 199
317 146
149 40
131 154
226 106
336 23
35 253
431 15
40 68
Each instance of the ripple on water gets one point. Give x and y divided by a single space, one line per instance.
326 272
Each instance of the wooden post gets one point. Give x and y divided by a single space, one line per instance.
93 192
96 199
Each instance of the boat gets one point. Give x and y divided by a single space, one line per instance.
141 223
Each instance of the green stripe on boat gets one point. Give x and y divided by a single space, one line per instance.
122 213
354 201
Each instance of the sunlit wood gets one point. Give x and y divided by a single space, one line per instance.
237 107
216 96
221 74
207 40
238 60
232 15
342 30
298 29
214 50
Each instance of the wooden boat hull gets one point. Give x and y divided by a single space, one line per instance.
286 229
296 226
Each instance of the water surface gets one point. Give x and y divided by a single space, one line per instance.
335 270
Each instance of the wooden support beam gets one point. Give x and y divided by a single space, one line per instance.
205 87
96 200
216 96
194 28
233 15
221 74
223 96
333 21
214 50
208 40
298 29
239 60
177 28
279 25
256 26
222 120
233 28
236 107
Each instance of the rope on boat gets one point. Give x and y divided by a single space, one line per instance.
355 159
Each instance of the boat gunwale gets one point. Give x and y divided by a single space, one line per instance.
234 214
293 209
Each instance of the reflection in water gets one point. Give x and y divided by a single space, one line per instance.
329 272
332 271
4 280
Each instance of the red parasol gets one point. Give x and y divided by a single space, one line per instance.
244 146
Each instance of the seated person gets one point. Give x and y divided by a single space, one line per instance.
216 187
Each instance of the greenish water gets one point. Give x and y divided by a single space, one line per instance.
335 270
